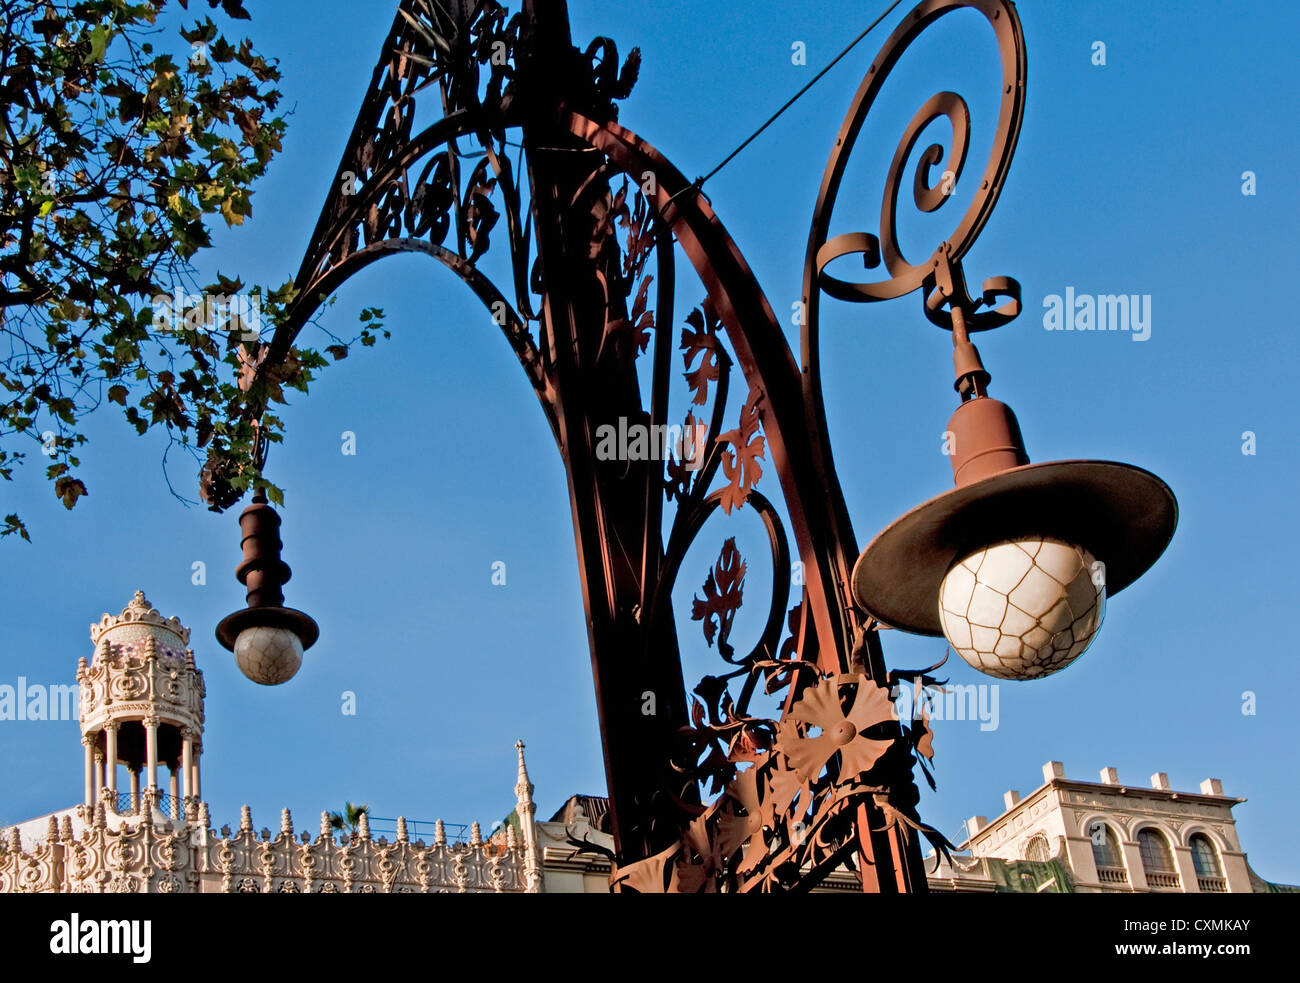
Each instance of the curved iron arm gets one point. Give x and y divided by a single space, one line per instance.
928 196
333 256
824 536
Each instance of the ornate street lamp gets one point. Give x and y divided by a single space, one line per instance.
1013 566
594 229
267 638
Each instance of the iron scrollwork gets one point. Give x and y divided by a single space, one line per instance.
830 782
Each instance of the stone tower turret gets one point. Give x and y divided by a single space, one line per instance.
141 706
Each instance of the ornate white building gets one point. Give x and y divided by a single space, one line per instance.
142 715
142 710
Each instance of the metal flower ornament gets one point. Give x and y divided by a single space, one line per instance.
484 131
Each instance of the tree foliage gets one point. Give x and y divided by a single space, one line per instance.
349 818
122 144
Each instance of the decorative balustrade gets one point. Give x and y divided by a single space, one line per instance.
144 858
1112 875
1162 880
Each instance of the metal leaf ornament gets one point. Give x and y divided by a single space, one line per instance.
703 341
735 831
682 465
723 593
642 320
742 466
640 240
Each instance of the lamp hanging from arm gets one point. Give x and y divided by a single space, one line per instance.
1014 565
267 638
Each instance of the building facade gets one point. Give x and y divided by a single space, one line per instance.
1113 837
1067 836
142 825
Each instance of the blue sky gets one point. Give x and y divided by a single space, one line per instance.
1127 179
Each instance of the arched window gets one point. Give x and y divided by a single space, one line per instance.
1205 857
1157 859
1209 871
1155 852
1103 846
1038 850
1105 853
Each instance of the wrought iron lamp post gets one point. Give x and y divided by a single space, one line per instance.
593 286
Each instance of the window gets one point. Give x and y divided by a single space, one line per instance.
1103 846
1156 856
1037 850
1205 857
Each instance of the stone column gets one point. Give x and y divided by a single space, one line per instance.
99 770
175 794
1137 875
187 763
151 751
135 789
1082 863
110 755
88 742
1235 871
196 784
1186 868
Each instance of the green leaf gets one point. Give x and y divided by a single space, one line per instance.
98 43
13 524
228 212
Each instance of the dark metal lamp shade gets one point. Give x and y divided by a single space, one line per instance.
1124 515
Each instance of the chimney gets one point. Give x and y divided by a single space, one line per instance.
975 824
1211 786
1160 780
1109 776
1009 799
1053 769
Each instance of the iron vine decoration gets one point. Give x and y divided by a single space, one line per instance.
707 796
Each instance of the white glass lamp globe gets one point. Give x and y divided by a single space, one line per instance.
268 655
1023 609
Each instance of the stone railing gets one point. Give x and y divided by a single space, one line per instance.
1162 880
1212 885
181 857
246 863
1112 875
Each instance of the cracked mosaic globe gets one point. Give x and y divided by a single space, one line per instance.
268 655
1023 609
